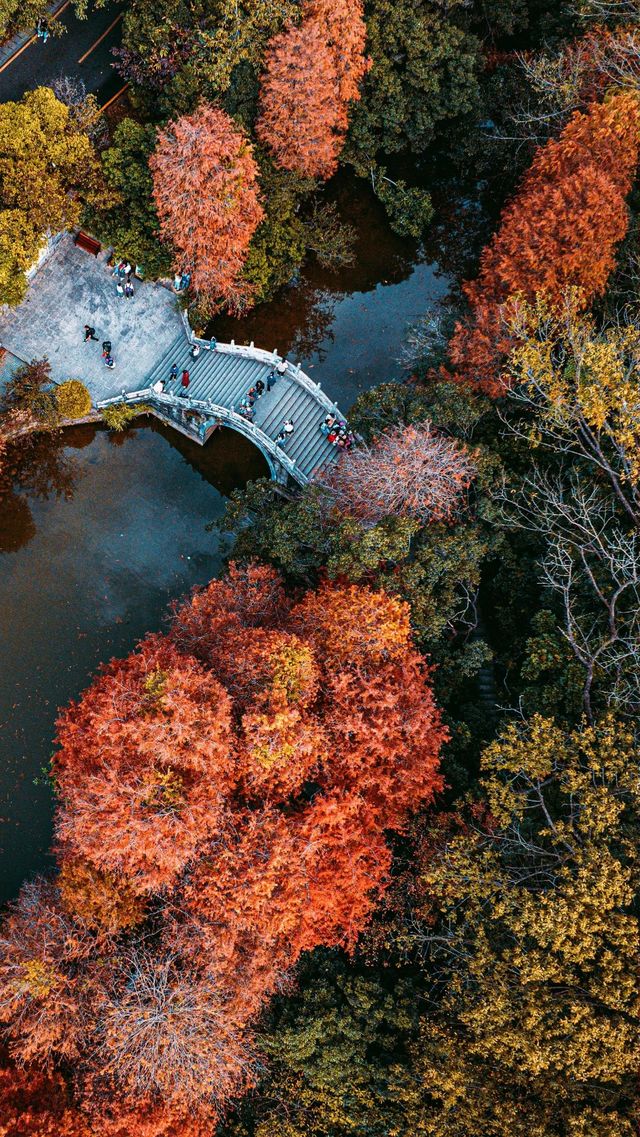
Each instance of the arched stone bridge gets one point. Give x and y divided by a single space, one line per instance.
219 379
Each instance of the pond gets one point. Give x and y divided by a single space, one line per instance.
102 531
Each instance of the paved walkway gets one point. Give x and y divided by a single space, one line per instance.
74 288
148 336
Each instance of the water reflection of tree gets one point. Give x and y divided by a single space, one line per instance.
37 467
315 326
299 318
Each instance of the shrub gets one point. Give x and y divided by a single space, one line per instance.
119 415
73 398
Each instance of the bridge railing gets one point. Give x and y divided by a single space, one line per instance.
270 358
212 410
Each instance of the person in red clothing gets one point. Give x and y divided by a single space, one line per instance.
184 383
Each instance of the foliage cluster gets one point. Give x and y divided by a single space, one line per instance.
561 229
119 416
73 399
225 795
48 170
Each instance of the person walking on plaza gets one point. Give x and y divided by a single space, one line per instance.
89 333
106 348
184 383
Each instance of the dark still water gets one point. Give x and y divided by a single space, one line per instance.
100 532
84 576
347 327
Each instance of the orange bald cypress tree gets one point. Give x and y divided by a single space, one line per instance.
345 32
205 189
227 792
312 73
145 760
561 229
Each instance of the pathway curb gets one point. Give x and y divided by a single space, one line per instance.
21 39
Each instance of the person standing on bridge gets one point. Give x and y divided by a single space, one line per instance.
173 374
184 383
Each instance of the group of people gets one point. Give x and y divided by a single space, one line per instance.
185 380
278 369
286 432
42 29
181 281
122 274
248 402
160 386
337 432
90 334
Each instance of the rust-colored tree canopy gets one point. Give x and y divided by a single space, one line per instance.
205 189
561 229
312 72
224 798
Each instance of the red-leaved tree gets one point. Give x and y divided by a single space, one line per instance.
145 761
227 792
312 73
42 949
561 229
409 470
205 189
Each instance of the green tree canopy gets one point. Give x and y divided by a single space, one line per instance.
131 223
424 72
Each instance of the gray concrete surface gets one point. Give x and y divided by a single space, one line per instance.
74 288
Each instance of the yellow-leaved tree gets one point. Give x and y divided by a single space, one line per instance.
48 171
582 383
527 912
